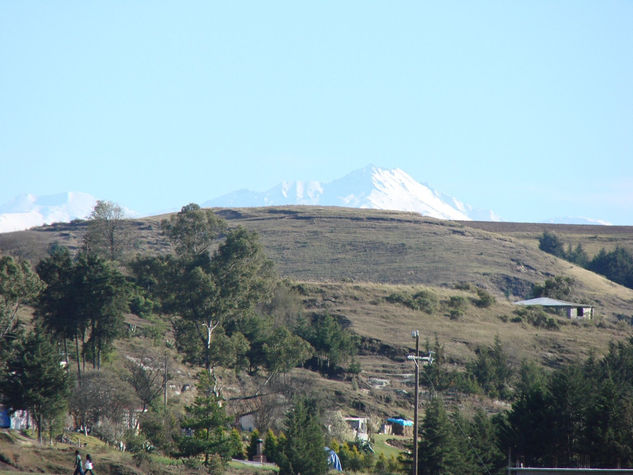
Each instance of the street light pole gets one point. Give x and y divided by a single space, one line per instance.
416 334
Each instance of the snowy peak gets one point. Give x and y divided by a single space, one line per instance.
27 211
394 189
370 187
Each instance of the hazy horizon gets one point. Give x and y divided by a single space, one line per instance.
522 108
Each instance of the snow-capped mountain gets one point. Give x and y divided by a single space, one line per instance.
28 210
370 187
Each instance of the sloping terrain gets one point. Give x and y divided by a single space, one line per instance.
351 245
351 259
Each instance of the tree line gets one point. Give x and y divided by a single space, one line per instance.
615 265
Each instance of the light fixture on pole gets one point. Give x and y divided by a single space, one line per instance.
416 359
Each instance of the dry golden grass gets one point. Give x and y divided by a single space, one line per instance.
373 317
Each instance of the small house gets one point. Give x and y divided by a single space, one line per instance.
572 310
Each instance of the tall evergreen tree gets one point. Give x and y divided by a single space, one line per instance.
484 443
616 265
492 370
35 381
552 244
84 297
303 450
207 420
568 401
438 448
333 344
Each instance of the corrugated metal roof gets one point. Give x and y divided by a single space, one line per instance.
548 302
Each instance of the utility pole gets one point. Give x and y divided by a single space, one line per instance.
416 359
416 334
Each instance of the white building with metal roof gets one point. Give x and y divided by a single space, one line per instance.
573 310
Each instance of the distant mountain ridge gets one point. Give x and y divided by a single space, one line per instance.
370 187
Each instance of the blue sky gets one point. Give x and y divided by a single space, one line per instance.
525 108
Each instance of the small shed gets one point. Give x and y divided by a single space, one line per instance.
17 420
400 426
573 310
359 426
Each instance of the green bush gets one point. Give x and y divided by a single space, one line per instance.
463 286
252 446
136 443
537 317
484 299
455 314
456 302
423 300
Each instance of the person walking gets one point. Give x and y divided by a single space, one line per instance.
89 465
79 469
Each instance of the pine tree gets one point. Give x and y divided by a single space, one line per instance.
252 446
303 451
35 381
208 423
438 449
484 443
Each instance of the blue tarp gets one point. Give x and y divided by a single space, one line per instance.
5 420
332 460
402 422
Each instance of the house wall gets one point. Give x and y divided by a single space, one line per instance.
579 312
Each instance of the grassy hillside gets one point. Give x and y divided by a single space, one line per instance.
350 263
353 245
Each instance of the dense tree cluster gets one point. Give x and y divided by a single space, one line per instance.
84 302
576 416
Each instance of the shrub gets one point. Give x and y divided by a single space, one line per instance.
463 286
456 302
455 314
252 446
423 300
135 443
537 317
484 299
556 288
